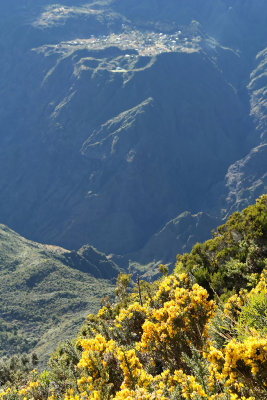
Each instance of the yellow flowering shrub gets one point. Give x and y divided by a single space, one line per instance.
130 321
99 367
105 367
234 304
168 286
261 285
241 364
138 394
181 321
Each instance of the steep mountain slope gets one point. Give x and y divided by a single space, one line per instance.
119 116
46 291
247 178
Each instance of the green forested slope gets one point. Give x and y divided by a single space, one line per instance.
46 291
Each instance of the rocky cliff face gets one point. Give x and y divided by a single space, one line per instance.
118 116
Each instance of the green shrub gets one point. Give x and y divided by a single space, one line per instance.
253 315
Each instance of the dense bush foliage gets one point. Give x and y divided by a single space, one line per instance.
236 254
16 369
170 339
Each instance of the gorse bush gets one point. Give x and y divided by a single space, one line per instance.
168 340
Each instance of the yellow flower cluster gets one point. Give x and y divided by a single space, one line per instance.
134 310
103 312
180 322
94 369
190 388
262 284
98 344
234 304
131 319
251 353
238 362
26 392
134 374
138 394
169 285
162 387
95 376
5 393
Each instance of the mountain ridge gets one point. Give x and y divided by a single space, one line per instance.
47 291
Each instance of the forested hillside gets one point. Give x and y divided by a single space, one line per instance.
46 292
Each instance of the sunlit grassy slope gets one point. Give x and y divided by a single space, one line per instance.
46 291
